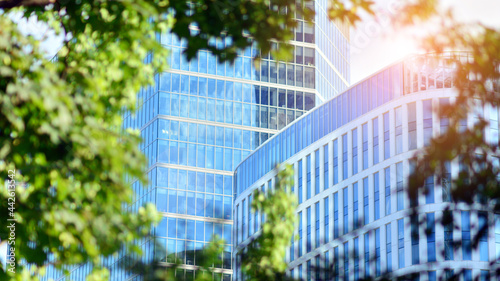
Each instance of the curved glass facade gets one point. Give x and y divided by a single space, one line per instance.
352 159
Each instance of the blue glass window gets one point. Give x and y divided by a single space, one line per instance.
316 172
355 200
356 258
367 254
448 237
387 173
336 215
161 199
316 225
446 183
354 151
219 207
427 114
431 238
335 162
172 201
398 119
212 64
308 176
466 236
344 157
484 276
346 208
387 147
209 231
209 206
365 202
230 68
429 189
432 276
200 204
181 228
375 141
346 261
309 270
399 186
415 255
336 264
345 109
377 252
326 230
219 112
272 72
308 134
412 126
376 199
364 129
181 202
161 229
228 185
467 275
172 229
184 86
483 236
175 59
300 234
243 220
401 244
300 182
164 106
227 207
326 267
308 229
388 241
326 169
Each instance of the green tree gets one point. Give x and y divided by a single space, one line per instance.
60 133
264 258
477 80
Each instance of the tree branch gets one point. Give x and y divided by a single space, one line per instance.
9 4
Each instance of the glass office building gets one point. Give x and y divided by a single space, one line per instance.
203 117
351 157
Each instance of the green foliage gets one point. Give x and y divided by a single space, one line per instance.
349 11
60 137
63 140
265 256
477 80
478 84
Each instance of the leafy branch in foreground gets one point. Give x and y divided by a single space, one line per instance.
474 146
70 159
265 256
